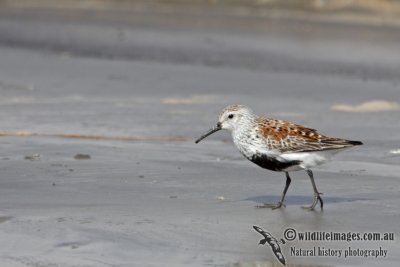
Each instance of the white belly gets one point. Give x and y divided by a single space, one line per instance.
308 159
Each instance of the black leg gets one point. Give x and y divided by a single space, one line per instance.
317 194
288 180
280 203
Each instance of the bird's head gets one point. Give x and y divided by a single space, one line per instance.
231 118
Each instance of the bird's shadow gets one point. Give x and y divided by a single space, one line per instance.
301 200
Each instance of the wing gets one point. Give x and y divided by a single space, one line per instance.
261 231
276 249
265 234
285 136
279 256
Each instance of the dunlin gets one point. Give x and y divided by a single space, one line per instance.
279 145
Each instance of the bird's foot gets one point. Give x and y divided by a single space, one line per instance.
317 198
271 206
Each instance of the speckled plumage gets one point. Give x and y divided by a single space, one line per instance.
282 136
278 145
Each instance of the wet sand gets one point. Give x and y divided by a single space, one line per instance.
98 162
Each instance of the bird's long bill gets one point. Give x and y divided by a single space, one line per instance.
211 131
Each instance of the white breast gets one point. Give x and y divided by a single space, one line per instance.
249 145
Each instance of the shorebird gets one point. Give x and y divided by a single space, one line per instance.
279 145
273 243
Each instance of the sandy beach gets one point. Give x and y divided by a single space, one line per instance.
99 112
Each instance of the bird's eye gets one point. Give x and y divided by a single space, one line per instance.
230 116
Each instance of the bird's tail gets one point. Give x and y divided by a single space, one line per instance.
355 143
